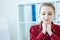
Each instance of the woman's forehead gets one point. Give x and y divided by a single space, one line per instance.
46 8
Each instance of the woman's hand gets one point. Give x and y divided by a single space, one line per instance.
44 28
49 29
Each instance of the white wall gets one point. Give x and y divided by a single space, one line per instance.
33 1
8 8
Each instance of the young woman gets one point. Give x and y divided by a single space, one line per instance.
46 30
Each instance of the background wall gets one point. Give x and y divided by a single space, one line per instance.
8 10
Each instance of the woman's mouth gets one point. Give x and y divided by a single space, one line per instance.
46 20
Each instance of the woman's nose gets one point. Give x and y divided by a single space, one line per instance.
46 16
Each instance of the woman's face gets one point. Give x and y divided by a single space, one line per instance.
46 14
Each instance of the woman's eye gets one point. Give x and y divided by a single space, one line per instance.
49 14
43 14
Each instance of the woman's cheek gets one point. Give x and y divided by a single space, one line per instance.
43 18
50 19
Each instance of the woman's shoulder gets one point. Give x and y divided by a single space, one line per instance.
58 26
34 26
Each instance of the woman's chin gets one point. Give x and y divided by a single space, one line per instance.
47 22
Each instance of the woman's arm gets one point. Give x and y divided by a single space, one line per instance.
57 35
40 36
54 37
35 36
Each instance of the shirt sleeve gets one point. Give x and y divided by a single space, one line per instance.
40 36
54 37
33 35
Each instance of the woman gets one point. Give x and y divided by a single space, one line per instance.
47 30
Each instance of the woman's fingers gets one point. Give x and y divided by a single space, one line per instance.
44 28
49 29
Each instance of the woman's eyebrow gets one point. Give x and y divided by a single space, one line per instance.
50 12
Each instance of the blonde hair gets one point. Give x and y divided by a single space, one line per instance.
49 5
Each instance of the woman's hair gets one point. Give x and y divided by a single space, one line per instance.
49 5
